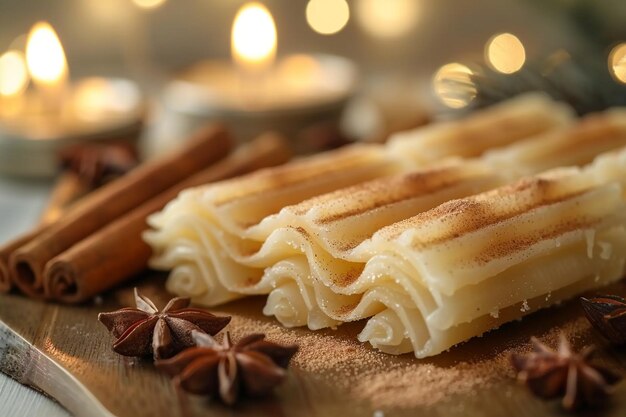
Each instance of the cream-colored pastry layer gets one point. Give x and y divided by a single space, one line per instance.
224 262
423 247
337 290
224 218
212 262
547 240
593 135
317 228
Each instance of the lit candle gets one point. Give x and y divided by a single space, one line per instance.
253 38
47 65
253 49
36 123
14 80
256 91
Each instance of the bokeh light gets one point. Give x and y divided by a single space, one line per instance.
13 73
617 62
505 53
388 18
327 16
453 85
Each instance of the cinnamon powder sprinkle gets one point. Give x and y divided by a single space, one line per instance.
426 382
339 364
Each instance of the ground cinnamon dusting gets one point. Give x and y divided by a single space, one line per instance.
424 384
357 372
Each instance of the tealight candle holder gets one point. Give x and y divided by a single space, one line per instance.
252 93
37 123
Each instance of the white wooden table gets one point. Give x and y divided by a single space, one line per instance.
21 202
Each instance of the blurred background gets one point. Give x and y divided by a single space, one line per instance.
411 61
131 36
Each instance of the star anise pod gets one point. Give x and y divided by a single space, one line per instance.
252 366
607 313
96 164
563 373
145 330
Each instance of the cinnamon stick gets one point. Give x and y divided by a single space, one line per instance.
113 200
6 284
117 252
65 190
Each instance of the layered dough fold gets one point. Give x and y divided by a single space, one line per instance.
231 211
396 247
472 264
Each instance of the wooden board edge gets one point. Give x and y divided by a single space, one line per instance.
30 366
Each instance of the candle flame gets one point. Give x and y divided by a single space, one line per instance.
13 74
253 39
44 55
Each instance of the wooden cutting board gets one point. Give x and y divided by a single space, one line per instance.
65 352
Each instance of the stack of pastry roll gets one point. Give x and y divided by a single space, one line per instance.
225 215
338 277
469 265
230 239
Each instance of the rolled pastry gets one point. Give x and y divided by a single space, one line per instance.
217 255
299 292
300 254
469 265
224 219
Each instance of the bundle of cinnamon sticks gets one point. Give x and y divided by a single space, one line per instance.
97 243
